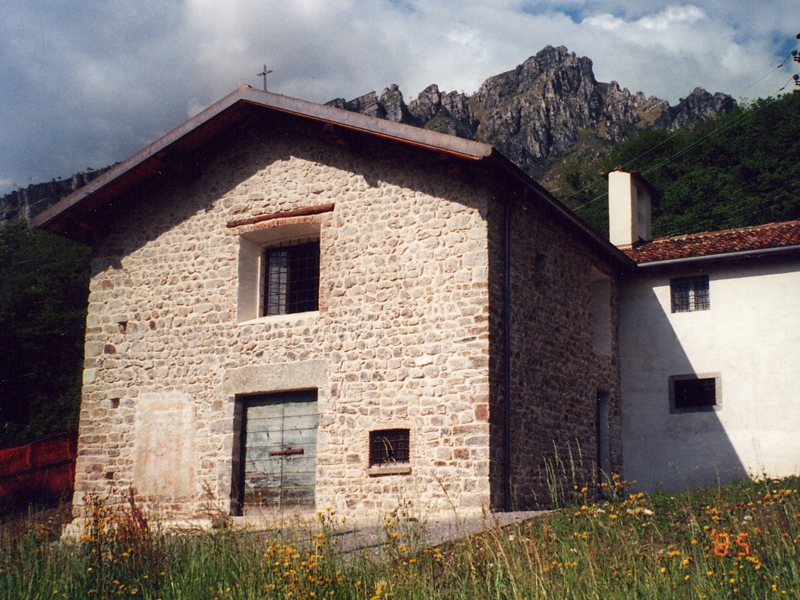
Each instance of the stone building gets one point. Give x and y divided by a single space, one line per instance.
292 306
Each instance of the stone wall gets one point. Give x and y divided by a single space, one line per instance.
401 338
556 373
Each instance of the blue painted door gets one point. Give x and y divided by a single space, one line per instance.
280 449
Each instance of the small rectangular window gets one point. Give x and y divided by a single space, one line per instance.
388 447
690 393
291 279
690 293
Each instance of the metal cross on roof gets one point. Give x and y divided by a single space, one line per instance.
264 74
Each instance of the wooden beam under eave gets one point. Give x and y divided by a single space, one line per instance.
299 212
78 230
457 168
341 137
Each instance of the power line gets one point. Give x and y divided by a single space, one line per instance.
788 56
677 132
746 209
738 95
721 129
791 79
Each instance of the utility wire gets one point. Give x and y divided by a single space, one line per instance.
721 129
791 79
592 183
746 209
788 56
739 95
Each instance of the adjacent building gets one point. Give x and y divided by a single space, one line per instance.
709 333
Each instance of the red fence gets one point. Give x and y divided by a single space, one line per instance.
44 467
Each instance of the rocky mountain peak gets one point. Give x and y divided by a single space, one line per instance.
25 203
427 104
540 109
556 59
552 69
393 106
697 105
547 106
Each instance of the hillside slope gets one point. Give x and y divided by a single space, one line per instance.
735 170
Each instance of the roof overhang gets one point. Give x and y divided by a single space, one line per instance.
75 216
560 211
72 214
708 259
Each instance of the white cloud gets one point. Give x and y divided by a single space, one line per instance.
672 15
85 84
670 52
605 22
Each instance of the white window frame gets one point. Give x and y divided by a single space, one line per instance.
252 246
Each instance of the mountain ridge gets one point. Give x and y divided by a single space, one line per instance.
539 110
547 107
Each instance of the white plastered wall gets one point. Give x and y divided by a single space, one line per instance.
750 338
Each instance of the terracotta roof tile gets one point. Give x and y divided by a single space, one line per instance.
759 237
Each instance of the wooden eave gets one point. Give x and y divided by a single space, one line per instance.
75 216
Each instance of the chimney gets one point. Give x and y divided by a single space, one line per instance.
628 208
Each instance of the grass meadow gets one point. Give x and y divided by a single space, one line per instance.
738 541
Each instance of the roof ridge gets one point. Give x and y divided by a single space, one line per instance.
717 232
753 238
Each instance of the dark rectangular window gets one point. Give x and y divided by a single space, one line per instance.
690 293
388 446
689 393
291 279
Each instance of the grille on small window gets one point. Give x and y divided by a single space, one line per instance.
291 279
695 393
388 446
690 293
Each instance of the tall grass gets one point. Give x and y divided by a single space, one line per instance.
737 541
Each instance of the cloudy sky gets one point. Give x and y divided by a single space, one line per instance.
84 83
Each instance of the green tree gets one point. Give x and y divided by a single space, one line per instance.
739 169
43 295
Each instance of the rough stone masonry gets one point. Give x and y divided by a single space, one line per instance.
407 335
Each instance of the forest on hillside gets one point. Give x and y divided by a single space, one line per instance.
44 285
739 169
735 170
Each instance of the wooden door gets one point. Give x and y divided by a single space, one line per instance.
280 449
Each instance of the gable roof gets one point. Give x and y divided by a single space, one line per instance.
75 215
772 237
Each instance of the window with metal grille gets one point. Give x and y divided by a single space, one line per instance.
689 293
689 393
388 446
291 279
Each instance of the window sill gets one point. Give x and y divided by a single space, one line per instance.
399 469
290 318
